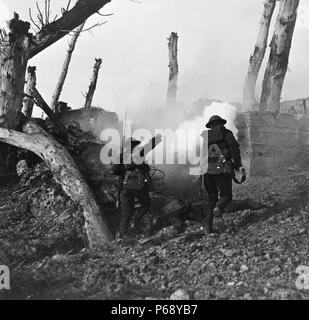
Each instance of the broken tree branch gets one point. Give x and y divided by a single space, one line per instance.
40 102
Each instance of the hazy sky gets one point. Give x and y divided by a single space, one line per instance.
215 41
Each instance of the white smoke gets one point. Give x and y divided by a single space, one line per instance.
303 17
188 141
223 109
4 15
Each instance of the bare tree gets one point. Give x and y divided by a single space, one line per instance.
279 56
65 67
16 48
93 83
249 100
173 67
30 86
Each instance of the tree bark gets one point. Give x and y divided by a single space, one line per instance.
173 69
279 56
65 67
31 85
13 64
93 83
249 100
62 26
66 173
15 51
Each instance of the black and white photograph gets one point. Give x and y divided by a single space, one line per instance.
154 154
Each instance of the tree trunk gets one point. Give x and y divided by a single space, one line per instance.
173 69
279 56
256 59
65 68
13 64
66 173
93 83
31 84
15 51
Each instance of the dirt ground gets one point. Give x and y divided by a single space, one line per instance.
42 241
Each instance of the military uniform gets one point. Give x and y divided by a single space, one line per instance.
129 192
223 158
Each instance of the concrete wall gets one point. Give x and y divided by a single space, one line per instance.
269 142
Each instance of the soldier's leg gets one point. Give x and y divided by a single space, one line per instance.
127 211
212 191
144 200
224 184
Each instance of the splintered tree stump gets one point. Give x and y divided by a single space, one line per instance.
279 56
173 69
93 83
16 48
65 68
66 173
249 102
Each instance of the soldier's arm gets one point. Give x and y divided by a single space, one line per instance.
234 148
117 169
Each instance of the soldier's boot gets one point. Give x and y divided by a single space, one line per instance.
209 223
217 212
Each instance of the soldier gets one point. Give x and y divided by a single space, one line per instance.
135 185
223 159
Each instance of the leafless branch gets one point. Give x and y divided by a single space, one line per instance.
105 15
32 20
71 32
40 14
65 24
68 6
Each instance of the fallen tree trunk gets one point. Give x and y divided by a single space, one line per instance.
66 173
93 83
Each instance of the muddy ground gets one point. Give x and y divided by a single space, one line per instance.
42 241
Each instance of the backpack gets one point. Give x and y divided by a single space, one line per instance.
217 163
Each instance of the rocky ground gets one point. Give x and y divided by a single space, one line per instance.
42 241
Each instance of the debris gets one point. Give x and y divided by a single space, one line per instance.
180 294
243 268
